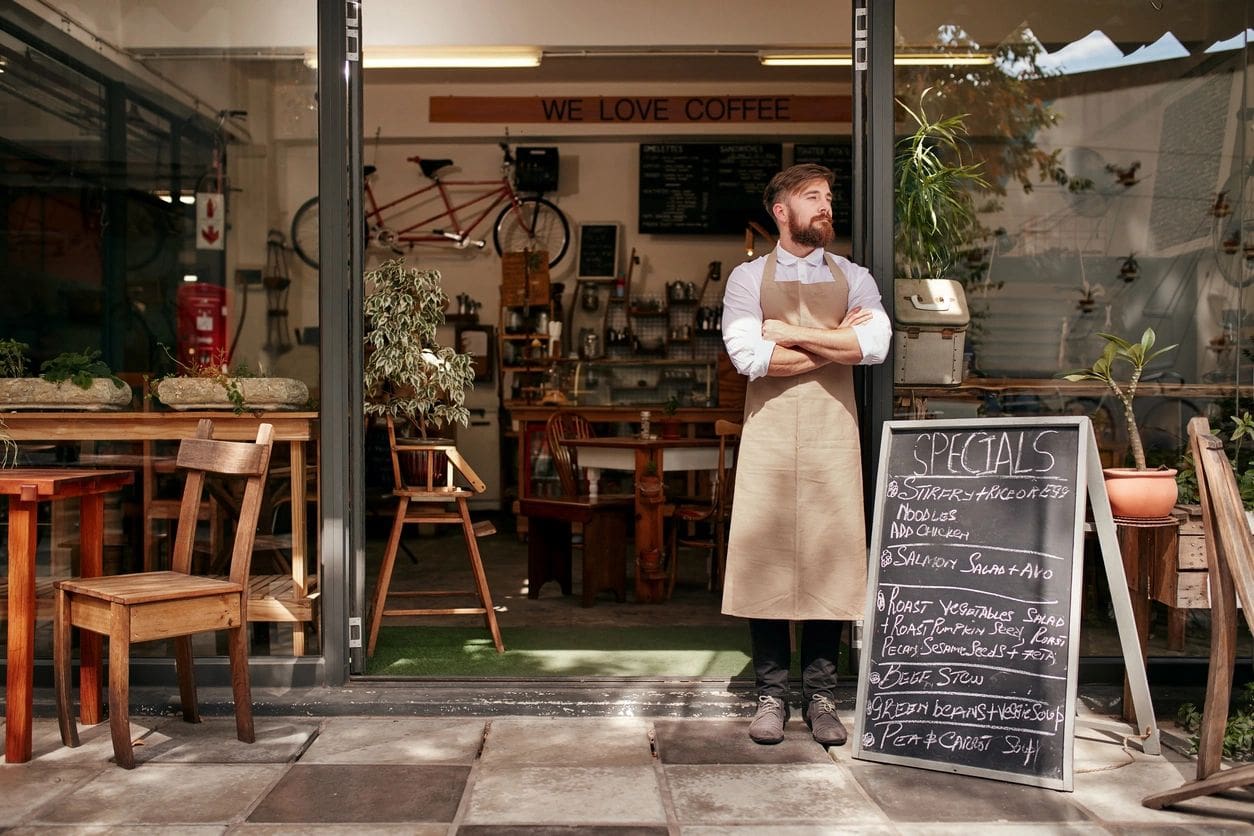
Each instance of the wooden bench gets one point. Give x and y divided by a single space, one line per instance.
604 524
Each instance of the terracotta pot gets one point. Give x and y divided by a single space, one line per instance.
1140 494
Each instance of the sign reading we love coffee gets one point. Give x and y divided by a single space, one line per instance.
651 109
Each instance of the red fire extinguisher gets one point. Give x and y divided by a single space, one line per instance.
202 325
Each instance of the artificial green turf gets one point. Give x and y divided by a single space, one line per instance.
575 651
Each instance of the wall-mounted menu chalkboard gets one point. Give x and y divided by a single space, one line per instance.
598 250
973 606
704 188
837 156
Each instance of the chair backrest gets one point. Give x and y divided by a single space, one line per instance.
728 433
562 426
436 466
204 455
1223 515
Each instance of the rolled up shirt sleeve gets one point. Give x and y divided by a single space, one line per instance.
742 321
875 336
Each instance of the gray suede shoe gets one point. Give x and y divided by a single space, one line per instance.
824 724
768 724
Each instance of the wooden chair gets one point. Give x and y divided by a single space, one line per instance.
170 604
1230 560
712 514
559 427
427 503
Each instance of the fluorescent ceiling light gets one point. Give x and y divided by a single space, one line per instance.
801 58
408 57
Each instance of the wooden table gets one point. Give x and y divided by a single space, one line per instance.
648 459
27 487
291 603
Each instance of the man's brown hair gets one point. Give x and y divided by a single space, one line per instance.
790 180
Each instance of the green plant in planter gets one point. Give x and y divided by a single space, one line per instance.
408 374
13 358
1105 368
78 367
935 211
217 370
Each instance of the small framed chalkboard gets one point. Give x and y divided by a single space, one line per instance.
599 245
972 617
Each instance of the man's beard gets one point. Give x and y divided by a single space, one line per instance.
818 233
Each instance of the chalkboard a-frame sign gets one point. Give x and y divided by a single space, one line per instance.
972 617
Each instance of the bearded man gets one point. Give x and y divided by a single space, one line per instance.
796 322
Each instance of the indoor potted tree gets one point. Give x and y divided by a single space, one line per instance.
1136 492
935 222
409 377
71 380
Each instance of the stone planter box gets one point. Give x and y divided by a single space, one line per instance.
260 393
35 393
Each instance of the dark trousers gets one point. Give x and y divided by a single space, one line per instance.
772 656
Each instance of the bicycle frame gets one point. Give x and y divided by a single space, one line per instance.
503 191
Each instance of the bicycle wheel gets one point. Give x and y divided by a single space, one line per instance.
537 225
305 232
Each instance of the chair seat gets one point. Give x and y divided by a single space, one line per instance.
143 587
694 513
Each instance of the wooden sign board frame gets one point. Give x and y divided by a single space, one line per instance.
1088 485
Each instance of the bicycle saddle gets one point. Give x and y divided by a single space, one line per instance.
430 167
367 170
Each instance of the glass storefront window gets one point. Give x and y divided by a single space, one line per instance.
1117 146
138 203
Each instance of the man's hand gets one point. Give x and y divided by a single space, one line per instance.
779 332
855 316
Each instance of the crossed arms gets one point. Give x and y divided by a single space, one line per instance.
799 349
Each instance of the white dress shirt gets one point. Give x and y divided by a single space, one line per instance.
750 353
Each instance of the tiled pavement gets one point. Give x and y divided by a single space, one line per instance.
540 775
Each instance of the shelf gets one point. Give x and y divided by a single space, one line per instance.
541 337
638 312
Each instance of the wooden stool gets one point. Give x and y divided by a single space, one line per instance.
1146 545
427 503
604 544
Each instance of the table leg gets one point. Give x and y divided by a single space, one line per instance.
650 500
91 565
19 696
300 574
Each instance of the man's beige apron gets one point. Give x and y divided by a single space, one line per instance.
797 547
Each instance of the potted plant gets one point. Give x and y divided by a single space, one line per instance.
71 380
670 425
1136 492
217 385
409 377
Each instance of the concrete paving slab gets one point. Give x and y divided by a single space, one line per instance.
768 795
356 829
1115 796
398 740
95 744
164 794
984 828
213 740
790 830
25 788
558 830
1201 828
907 794
727 742
364 793
559 795
580 741
118 830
